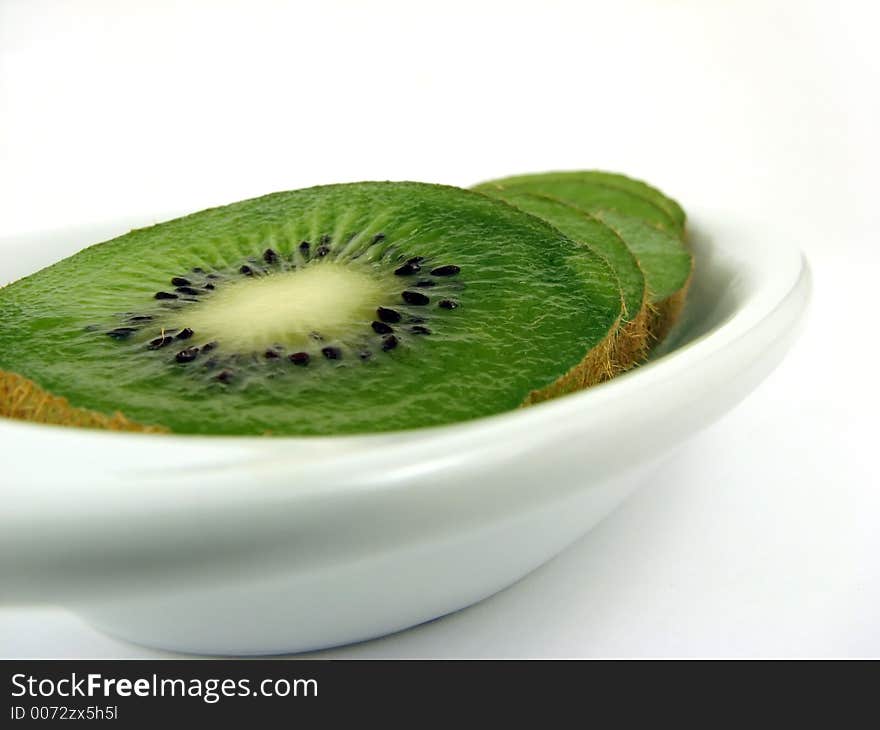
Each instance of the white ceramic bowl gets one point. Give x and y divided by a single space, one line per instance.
229 545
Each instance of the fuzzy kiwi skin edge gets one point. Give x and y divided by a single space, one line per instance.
23 399
665 314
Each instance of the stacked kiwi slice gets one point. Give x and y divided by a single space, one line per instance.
349 308
646 250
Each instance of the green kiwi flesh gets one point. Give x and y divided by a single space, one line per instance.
336 309
622 182
594 190
665 260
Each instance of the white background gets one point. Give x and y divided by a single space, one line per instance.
761 536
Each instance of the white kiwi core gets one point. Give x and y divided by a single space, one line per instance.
289 307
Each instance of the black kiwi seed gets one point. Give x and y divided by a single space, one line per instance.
420 329
331 353
448 270
407 269
447 304
389 343
322 251
120 333
299 358
415 297
165 295
269 256
210 346
224 376
304 247
184 334
180 281
160 342
187 355
246 270
188 290
209 285
381 328
141 318
378 238
213 276
271 354
325 239
426 283
388 315
198 270
365 354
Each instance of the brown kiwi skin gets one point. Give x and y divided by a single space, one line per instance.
23 399
665 313
597 366
633 339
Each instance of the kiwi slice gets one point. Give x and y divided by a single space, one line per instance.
650 224
631 185
594 191
631 341
335 309
637 187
